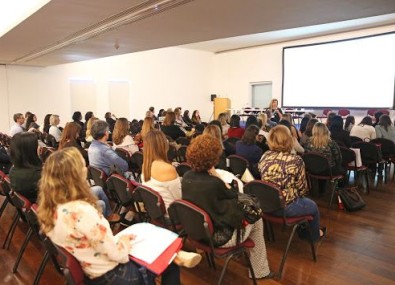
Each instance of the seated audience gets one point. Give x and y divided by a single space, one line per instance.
294 130
338 134
19 119
158 172
110 120
46 124
77 118
297 148
308 132
26 172
70 137
186 118
286 170
329 118
385 129
235 131
69 216
349 123
100 154
223 118
148 125
179 120
306 118
264 126
31 124
121 137
196 118
215 131
364 130
377 116
203 187
88 131
169 127
54 129
247 148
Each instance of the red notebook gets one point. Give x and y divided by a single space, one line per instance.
162 262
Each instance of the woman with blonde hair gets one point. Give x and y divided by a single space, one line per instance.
158 172
54 129
276 112
148 125
121 137
286 170
223 118
196 117
69 216
88 133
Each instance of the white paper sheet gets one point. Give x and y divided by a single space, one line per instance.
150 242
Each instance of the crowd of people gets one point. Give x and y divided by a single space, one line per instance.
76 216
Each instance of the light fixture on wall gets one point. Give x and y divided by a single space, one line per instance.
133 14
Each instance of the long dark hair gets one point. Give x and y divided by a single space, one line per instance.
235 121
250 134
46 123
367 120
385 121
336 124
24 150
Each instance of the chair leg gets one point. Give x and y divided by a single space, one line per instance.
334 183
367 181
7 241
250 267
224 268
3 206
22 250
312 244
280 271
41 268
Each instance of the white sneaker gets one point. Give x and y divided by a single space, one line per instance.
187 259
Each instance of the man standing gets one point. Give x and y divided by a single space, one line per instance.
100 154
17 127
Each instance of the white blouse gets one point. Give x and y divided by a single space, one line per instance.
169 190
86 234
127 144
363 132
55 132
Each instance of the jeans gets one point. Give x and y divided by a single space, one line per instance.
103 202
132 274
304 206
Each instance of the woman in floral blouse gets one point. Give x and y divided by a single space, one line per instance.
70 218
280 167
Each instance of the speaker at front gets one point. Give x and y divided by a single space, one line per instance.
213 96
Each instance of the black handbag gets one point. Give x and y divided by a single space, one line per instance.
351 199
250 206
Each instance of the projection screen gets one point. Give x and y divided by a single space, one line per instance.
354 73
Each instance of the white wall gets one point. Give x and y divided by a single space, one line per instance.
161 78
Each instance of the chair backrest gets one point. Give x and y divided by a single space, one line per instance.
355 139
230 145
71 268
172 153
125 155
316 163
183 168
387 146
195 221
98 176
348 155
370 153
119 188
182 151
3 186
183 141
343 112
268 194
153 203
45 152
237 164
50 141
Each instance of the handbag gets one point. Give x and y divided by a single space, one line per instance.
351 199
250 206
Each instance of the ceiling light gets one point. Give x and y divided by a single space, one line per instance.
12 12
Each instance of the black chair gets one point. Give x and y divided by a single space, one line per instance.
271 199
199 229
387 148
71 268
137 162
318 167
181 154
183 168
172 153
45 152
4 191
50 141
154 206
371 155
355 139
121 190
237 164
350 164
230 145
183 141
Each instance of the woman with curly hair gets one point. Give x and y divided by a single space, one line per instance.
204 187
121 137
69 216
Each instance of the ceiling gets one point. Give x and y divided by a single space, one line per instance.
74 30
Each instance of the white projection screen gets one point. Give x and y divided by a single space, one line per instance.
357 73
